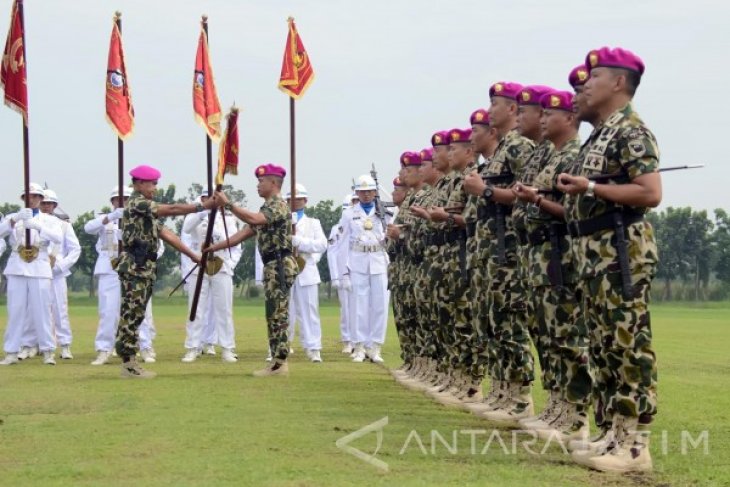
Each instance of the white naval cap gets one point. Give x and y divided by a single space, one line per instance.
301 191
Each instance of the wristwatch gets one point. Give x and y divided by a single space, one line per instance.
199 207
228 207
450 220
591 189
488 192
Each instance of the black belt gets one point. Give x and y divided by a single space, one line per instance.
271 256
581 228
542 233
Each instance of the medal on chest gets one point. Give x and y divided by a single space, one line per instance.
367 224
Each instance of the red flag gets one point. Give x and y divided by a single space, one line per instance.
228 152
296 70
12 73
205 98
119 109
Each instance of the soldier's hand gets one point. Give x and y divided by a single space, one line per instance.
570 184
393 231
214 247
420 212
439 214
524 192
473 184
195 258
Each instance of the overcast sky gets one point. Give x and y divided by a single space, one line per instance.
388 74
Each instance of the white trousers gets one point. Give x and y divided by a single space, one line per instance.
59 311
215 306
210 333
369 308
304 308
29 301
345 297
109 304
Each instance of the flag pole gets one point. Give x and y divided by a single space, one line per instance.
120 151
211 217
292 157
26 137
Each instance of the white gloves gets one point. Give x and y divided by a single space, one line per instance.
33 224
336 283
115 215
345 283
25 214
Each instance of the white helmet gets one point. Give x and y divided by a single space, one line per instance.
115 192
301 191
347 201
364 183
50 196
34 188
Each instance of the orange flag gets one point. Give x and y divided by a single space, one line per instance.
205 98
13 71
296 70
228 151
119 109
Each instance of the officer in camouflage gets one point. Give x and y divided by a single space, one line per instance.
272 228
512 364
616 258
395 247
137 265
551 279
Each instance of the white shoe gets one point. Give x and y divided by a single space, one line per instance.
228 355
359 354
66 352
190 356
152 352
33 351
269 357
10 359
24 353
102 358
147 356
314 356
209 350
49 358
375 355
347 348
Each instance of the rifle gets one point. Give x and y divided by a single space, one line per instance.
379 209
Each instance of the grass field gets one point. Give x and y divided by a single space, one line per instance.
210 423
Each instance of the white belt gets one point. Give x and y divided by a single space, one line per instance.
367 248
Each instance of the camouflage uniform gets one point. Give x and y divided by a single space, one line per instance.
557 316
619 328
280 269
422 281
457 306
540 339
439 277
137 269
398 282
513 361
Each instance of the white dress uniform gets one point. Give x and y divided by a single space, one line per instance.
336 261
209 336
304 300
109 289
29 283
65 255
216 289
367 263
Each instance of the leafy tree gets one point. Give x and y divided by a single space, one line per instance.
83 270
328 214
721 245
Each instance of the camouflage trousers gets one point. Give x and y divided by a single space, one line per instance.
136 293
456 309
623 361
422 293
563 352
441 297
396 301
483 342
276 298
512 360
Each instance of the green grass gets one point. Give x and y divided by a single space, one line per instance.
210 423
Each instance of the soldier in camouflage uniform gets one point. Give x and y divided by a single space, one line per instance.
137 265
434 241
551 278
485 140
512 364
616 258
529 114
456 311
424 374
396 271
272 228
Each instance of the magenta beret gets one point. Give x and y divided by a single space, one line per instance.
505 89
440 138
578 76
459 135
427 155
145 173
479 117
409 158
558 100
270 170
530 95
614 58
397 182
